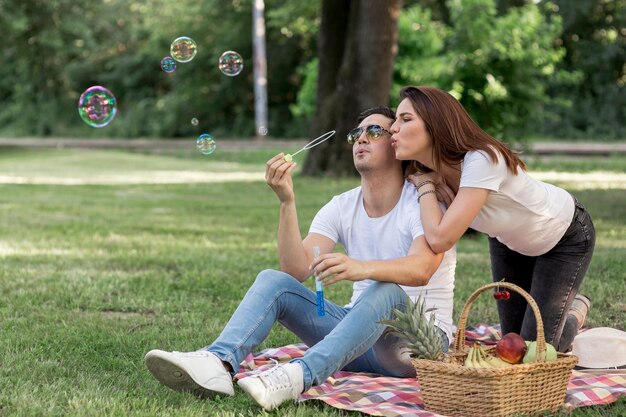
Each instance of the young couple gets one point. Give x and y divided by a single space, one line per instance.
541 238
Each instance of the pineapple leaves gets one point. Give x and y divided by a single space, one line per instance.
422 336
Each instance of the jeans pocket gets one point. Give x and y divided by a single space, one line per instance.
580 232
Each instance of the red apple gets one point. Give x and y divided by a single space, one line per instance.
511 348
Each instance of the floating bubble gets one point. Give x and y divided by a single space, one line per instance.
168 64
230 63
183 49
97 106
263 131
205 144
194 121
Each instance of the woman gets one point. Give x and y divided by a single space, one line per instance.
540 237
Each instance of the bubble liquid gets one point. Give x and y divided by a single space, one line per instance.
168 64
205 144
230 63
319 287
183 49
97 106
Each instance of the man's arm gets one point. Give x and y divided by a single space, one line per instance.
325 244
295 255
415 269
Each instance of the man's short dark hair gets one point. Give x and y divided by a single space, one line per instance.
385 111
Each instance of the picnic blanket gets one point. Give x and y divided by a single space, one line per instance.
398 397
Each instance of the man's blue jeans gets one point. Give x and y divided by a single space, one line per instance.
552 279
344 338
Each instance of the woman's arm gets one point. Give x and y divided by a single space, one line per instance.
443 230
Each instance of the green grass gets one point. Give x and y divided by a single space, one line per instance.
94 276
614 163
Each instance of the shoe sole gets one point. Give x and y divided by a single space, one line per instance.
176 378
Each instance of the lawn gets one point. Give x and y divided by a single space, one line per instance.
108 254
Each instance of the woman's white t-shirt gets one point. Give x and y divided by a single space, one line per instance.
344 220
526 215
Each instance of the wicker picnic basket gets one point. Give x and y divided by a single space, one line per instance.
452 389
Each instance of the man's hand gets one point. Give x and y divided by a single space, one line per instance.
334 267
278 177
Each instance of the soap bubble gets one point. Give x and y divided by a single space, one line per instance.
230 63
194 121
97 106
205 144
168 64
183 49
263 131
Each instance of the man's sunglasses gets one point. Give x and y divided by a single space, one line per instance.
371 131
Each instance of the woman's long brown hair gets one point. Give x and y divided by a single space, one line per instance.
452 130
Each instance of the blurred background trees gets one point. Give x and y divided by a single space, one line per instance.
521 67
357 44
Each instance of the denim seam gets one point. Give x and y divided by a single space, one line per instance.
256 326
230 356
306 371
583 225
574 276
356 348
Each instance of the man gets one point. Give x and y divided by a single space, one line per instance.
379 226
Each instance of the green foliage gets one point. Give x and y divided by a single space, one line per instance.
300 19
595 40
304 107
554 68
496 65
58 49
291 44
422 57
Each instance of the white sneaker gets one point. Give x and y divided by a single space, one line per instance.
276 385
201 373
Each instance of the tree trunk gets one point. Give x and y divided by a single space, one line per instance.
356 47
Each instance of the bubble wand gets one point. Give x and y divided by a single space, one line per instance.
319 287
313 143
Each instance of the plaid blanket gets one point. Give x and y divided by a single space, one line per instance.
395 397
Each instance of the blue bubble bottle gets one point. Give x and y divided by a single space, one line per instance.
319 287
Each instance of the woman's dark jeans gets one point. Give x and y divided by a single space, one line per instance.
552 279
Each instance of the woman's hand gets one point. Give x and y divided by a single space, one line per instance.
419 178
334 267
426 181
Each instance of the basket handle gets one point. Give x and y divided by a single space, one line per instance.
459 340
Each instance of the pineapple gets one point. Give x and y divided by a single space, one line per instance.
423 337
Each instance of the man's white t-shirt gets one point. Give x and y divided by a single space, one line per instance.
526 215
344 220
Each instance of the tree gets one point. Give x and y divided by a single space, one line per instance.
55 50
356 48
595 40
38 45
497 65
